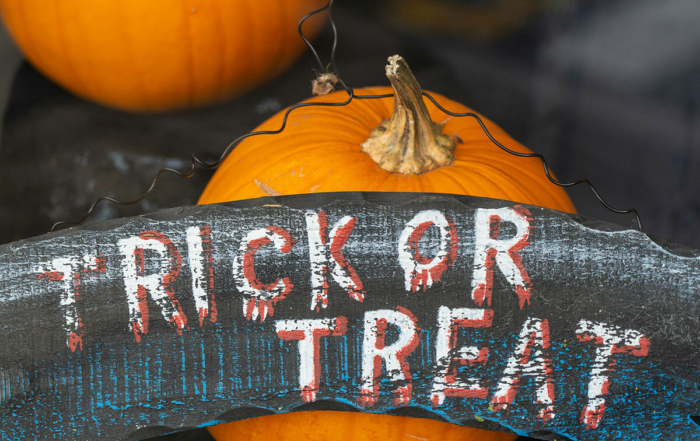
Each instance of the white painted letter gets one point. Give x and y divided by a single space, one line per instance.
446 383
610 340
490 251
259 299
308 333
420 270
138 285
201 258
374 350
531 359
69 271
324 255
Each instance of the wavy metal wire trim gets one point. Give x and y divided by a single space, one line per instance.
351 95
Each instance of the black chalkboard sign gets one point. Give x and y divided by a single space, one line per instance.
480 312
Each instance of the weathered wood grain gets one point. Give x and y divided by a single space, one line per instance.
373 302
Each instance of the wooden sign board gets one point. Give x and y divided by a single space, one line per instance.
476 311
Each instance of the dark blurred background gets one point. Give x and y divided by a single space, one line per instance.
605 89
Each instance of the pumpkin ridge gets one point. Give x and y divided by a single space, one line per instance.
458 183
497 183
484 155
525 195
474 187
533 176
522 170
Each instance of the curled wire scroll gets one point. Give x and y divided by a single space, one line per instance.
351 95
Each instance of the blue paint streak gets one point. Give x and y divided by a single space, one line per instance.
635 383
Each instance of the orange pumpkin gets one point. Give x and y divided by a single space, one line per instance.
376 145
154 55
323 149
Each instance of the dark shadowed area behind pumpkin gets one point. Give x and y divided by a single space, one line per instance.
606 90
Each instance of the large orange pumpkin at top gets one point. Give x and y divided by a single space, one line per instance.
382 145
155 55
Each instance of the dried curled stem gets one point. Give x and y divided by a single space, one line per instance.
409 142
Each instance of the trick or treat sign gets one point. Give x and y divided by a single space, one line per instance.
478 312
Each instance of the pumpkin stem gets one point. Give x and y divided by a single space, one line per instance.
409 142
